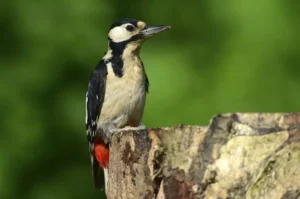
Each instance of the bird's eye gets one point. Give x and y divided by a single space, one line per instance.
130 28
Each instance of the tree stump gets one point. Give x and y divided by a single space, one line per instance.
240 155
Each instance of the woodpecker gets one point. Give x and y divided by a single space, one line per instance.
117 89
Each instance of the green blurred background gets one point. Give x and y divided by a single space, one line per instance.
219 56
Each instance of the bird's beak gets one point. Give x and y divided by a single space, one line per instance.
151 30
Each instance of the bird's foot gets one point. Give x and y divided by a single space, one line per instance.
105 131
129 128
108 129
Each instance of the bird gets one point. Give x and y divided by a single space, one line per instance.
116 94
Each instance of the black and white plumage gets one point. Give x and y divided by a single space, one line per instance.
94 102
117 90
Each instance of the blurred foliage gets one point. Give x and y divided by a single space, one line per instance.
219 56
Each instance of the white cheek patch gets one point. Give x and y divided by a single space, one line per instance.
119 34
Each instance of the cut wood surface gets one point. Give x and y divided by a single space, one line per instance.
240 155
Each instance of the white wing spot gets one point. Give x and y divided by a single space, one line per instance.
86 111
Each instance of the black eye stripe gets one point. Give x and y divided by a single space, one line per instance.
130 28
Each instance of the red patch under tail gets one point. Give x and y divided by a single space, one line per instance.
102 151
102 154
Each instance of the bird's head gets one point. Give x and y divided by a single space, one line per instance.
131 33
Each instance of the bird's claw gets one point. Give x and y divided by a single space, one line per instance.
130 128
107 130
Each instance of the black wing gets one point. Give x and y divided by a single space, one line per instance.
94 101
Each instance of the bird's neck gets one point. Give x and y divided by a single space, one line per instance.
125 48
123 58
132 51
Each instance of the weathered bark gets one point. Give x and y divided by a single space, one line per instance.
236 156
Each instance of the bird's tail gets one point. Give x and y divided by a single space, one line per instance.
101 159
98 176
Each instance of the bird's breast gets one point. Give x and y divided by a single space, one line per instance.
124 96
